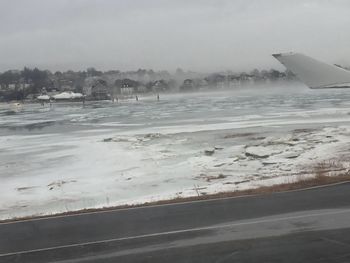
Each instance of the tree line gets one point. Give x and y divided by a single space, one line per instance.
18 84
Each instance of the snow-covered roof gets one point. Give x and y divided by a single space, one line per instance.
43 97
68 95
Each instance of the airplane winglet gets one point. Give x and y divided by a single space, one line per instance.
314 73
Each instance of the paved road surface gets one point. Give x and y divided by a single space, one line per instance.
301 226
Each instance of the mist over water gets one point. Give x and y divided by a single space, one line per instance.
172 110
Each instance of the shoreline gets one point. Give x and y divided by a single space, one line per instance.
320 180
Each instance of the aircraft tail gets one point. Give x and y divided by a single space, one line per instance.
314 73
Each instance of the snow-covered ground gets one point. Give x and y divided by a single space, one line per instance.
71 156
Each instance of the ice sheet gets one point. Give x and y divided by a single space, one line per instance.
71 156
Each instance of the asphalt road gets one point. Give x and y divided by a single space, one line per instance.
300 226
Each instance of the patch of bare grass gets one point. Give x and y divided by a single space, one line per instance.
322 173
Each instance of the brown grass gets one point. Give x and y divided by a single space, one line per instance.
321 177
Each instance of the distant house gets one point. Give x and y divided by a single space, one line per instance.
160 85
216 80
87 90
127 86
64 85
43 91
201 83
233 81
188 85
246 78
13 86
99 90
141 89
220 81
126 89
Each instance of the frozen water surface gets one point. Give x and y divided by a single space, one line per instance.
70 157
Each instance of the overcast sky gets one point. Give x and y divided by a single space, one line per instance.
199 35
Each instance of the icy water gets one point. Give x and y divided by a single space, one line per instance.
70 156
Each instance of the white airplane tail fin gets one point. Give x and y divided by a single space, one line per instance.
314 73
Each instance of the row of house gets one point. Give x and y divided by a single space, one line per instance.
108 85
232 81
101 88
98 88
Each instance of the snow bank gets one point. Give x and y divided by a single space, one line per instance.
91 171
43 97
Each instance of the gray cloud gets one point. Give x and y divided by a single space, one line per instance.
162 34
